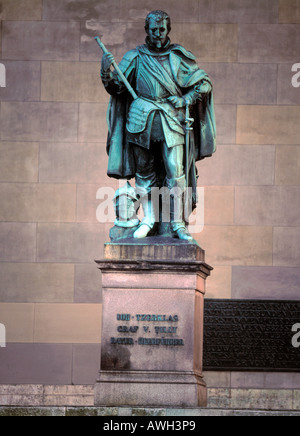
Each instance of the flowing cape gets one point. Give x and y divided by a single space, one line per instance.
186 74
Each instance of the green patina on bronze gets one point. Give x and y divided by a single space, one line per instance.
161 122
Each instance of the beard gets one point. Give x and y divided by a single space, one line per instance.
158 45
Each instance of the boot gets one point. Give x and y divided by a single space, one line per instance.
178 225
149 219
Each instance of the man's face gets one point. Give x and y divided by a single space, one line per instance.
158 32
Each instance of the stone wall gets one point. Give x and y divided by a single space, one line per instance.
53 161
66 400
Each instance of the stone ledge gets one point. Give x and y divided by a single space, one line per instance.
152 248
135 412
39 396
61 399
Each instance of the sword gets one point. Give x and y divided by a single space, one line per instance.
116 67
188 128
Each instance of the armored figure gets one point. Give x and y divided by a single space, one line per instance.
148 135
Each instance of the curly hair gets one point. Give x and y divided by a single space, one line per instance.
158 16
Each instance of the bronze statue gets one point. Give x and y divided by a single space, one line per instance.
149 118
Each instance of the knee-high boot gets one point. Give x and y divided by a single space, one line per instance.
178 225
144 186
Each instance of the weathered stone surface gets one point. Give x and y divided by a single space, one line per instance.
71 243
268 125
235 11
218 205
70 10
226 116
286 246
217 378
287 170
36 282
296 405
216 42
86 363
118 38
242 83
153 248
21 10
262 399
238 165
184 356
34 202
91 411
268 43
266 380
22 400
88 203
22 81
39 121
180 12
289 11
219 284
90 128
40 40
72 82
237 245
265 282
68 323
219 398
267 205
72 163
18 319
175 390
117 280
11 250
88 287
36 364
129 411
287 94
68 395
32 411
19 162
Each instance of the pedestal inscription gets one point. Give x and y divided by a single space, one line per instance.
152 332
146 339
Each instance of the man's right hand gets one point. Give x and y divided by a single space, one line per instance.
107 61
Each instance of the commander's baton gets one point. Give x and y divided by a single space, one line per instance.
116 67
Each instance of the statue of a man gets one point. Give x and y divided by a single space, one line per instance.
147 136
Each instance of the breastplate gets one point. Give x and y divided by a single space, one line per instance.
147 86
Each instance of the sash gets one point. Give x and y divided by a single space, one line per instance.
156 70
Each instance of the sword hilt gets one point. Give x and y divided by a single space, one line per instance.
188 120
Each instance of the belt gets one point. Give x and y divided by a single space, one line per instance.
153 99
156 101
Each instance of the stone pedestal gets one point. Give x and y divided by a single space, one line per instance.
152 337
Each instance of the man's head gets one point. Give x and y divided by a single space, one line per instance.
158 27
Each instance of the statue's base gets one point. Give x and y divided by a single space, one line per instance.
152 337
150 389
119 234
